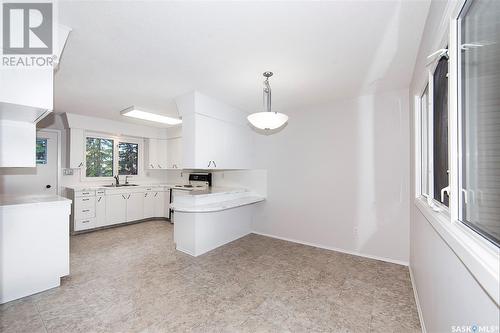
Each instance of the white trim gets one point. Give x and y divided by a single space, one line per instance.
355 253
59 145
479 256
454 157
417 301
116 140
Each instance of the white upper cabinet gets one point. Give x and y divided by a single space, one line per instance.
156 154
174 155
76 148
214 135
210 142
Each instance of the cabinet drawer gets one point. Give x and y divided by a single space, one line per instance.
85 213
84 202
84 208
84 224
84 193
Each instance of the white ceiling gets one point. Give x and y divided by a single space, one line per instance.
145 53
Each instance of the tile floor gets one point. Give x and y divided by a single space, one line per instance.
131 279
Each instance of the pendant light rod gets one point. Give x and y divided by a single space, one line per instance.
267 91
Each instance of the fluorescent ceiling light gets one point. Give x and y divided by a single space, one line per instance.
135 113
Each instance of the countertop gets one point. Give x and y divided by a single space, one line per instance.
11 200
102 187
219 206
218 190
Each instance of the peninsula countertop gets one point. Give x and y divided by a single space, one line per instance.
14 199
215 199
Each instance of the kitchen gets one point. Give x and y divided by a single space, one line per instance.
248 166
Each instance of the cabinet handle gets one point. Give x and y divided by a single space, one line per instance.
145 195
99 200
129 196
85 210
86 221
123 197
156 194
215 165
85 193
81 164
87 199
159 166
209 162
152 166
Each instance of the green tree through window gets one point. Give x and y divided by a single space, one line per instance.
99 157
127 158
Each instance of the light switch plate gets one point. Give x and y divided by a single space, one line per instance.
68 172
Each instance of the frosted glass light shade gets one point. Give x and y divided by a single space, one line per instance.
267 120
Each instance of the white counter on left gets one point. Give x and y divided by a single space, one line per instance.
34 233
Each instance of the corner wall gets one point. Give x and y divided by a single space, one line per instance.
338 177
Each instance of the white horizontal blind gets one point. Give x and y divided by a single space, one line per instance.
480 77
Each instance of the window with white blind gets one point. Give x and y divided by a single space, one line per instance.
479 117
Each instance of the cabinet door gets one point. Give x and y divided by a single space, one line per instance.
161 154
210 143
76 148
116 208
239 153
149 205
174 153
100 210
151 152
159 199
135 206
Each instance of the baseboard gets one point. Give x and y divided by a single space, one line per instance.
393 261
417 301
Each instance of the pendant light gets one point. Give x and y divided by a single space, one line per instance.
267 120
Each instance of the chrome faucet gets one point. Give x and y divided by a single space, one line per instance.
126 179
117 179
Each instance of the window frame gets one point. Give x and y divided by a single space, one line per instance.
478 254
116 141
429 85
118 156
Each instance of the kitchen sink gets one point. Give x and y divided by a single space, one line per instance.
120 185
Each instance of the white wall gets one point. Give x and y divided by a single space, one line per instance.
338 177
447 292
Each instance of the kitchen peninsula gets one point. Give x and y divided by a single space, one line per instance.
207 219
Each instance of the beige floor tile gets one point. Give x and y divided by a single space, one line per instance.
131 279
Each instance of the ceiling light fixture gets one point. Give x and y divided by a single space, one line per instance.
267 120
136 113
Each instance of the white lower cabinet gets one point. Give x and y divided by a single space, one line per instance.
159 204
99 208
149 205
135 206
116 208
